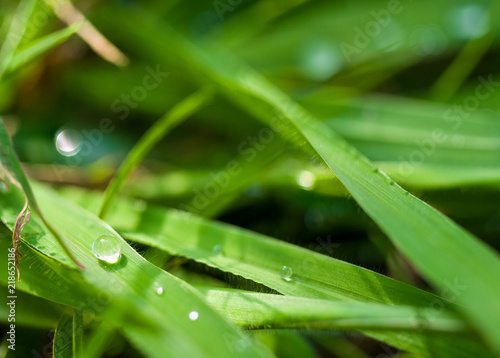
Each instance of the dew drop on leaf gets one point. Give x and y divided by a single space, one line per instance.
158 288
193 315
68 142
107 248
286 273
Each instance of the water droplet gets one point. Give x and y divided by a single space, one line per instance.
107 248
286 273
406 192
217 250
158 288
193 315
391 182
68 142
306 179
3 187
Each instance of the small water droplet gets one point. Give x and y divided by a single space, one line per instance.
158 288
217 250
391 182
306 179
286 273
193 315
68 142
107 248
3 187
406 193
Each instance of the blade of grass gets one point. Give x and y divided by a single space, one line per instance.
63 338
164 125
260 258
441 250
158 324
10 160
69 14
15 34
40 46
253 310
78 347
464 63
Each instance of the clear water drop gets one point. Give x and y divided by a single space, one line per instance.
286 273
217 250
107 248
68 142
193 315
158 288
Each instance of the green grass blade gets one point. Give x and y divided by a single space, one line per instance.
260 258
78 347
11 162
159 323
444 253
172 118
63 338
253 310
40 46
15 34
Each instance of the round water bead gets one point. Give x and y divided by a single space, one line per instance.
107 248
158 288
193 315
286 273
